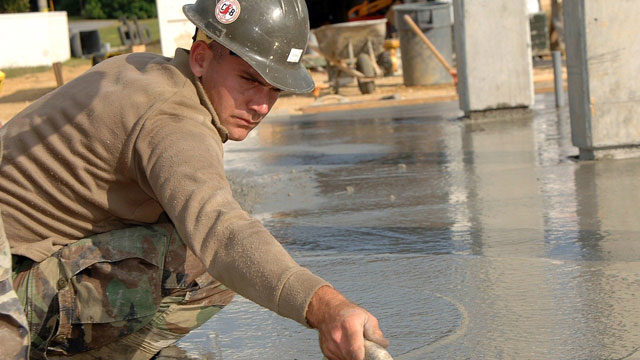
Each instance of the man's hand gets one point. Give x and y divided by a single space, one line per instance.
342 325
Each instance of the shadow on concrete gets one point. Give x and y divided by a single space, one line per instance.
25 95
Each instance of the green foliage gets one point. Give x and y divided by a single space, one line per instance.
72 7
93 10
14 6
108 9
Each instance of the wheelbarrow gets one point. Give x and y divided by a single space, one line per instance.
352 48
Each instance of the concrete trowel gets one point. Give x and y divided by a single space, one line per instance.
373 351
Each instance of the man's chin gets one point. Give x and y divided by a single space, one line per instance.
238 134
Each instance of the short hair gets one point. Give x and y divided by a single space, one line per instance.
216 48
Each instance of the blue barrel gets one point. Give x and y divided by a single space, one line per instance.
419 65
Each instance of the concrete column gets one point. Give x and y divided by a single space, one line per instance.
493 49
602 61
42 5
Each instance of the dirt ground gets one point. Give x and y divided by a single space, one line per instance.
18 92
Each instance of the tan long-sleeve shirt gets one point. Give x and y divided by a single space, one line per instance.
131 138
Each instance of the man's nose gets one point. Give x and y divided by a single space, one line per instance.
260 107
261 101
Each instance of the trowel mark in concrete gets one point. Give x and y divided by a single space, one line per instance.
459 332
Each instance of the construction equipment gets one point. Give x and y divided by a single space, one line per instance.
367 8
132 32
133 35
1 79
352 48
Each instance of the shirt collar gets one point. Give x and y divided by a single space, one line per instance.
181 62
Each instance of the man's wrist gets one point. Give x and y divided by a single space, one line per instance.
325 300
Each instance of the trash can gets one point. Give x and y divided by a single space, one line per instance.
76 45
90 41
419 65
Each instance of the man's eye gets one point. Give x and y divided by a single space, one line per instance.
250 80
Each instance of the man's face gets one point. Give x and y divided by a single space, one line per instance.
240 96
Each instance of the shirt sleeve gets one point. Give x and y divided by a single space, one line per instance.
180 163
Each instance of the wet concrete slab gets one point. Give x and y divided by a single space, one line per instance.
466 239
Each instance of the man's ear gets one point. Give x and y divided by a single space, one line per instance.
199 58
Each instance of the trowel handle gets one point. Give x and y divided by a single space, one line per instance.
373 351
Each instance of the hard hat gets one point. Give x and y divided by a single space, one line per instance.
271 35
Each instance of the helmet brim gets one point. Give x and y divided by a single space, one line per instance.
292 77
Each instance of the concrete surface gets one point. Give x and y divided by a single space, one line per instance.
34 39
467 240
602 48
493 49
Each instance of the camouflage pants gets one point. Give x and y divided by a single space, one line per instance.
125 294
14 333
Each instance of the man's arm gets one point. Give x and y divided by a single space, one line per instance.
342 325
178 160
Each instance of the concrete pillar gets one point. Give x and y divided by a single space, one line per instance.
42 5
602 61
493 49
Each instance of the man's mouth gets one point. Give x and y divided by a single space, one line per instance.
248 122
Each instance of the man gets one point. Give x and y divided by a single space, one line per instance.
123 229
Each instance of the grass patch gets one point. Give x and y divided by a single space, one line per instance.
17 72
109 34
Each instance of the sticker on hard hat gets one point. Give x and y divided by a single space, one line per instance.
294 55
227 11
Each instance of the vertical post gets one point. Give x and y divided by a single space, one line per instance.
601 42
42 5
557 75
57 71
493 55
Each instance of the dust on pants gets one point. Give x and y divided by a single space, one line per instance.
122 294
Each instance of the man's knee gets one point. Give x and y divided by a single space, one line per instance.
14 332
111 285
14 335
190 308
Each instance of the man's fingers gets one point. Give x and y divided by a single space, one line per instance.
355 343
373 333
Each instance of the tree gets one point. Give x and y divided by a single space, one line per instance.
112 9
93 10
72 7
14 6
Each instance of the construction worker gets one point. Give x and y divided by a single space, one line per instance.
123 229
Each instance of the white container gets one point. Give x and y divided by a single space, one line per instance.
34 39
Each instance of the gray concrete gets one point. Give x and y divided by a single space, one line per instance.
493 49
602 60
468 240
